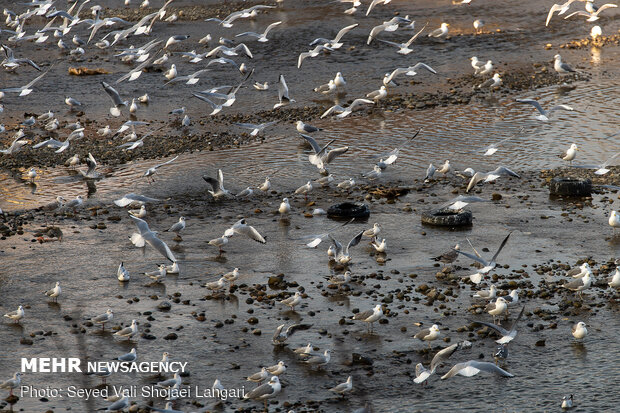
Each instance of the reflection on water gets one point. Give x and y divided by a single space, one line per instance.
458 133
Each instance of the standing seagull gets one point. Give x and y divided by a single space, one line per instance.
570 153
306 128
343 388
16 315
265 391
12 383
178 227
54 292
370 316
561 67
428 334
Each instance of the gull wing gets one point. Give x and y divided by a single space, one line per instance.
355 240
315 146
473 257
445 354
533 103
501 246
344 31
116 98
167 162
271 26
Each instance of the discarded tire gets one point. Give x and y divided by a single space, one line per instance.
447 218
348 210
573 187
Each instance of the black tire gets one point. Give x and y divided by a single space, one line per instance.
447 218
570 187
348 210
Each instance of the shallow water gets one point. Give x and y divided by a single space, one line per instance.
543 374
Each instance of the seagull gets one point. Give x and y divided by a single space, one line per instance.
389 26
544 114
216 286
344 112
258 377
488 265
422 374
480 177
409 71
374 3
614 280
487 294
343 388
321 156
370 316
601 169
440 32
178 226
231 276
92 164
318 360
54 292
256 129
131 198
478 24
569 154
241 227
579 330
261 86
15 146
159 275
152 170
507 335
167 409
561 67
129 357
176 380
116 99
484 69
261 37
567 402
292 301
381 246
592 15
428 334
216 108
580 284
335 42
103 318
12 383
27 88
122 274
614 221
403 48
191 79
285 207
377 95
312 53
178 38
16 315
128 332
228 51
560 8
218 191
11 63
491 83
306 128
473 367
117 406
280 335
148 236
265 391
340 279
460 202
276 369
283 94
219 242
